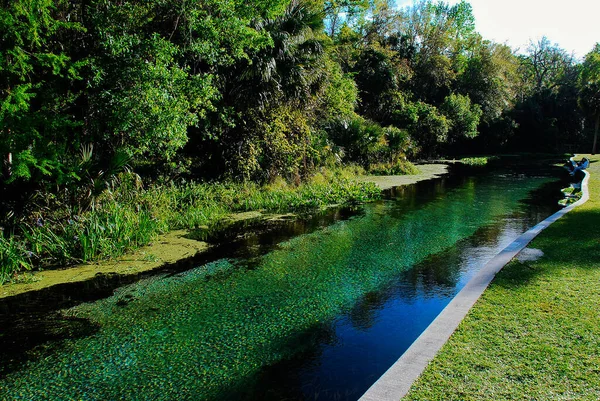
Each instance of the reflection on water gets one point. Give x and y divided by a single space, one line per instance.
283 316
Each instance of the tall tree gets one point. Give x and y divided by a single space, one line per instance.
589 83
489 77
440 34
38 87
342 12
549 78
545 64
264 92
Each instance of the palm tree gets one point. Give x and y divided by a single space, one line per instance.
287 70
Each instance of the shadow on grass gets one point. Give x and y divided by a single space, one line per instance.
571 242
573 239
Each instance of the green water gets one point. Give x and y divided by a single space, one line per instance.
209 332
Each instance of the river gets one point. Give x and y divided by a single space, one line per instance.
313 309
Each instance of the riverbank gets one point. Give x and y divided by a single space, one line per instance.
534 333
426 172
181 243
137 231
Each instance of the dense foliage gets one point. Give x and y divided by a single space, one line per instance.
256 90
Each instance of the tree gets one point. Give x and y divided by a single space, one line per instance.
589 83
156 63
342 12
439 34
545 64
463 117
426 125
546 111
287 76
489 77
38 88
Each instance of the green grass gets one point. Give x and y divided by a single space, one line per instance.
402 167
534 334
13 258
131 217
572 195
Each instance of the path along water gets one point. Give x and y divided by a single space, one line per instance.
319 315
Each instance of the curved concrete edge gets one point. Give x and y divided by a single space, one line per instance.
397 381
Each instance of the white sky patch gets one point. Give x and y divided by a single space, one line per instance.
573 24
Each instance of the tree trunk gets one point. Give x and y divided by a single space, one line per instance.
596 133
7 170
8 166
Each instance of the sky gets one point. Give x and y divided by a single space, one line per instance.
573 24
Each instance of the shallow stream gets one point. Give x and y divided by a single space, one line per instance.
316 309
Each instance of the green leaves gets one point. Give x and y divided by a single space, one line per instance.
36 78
463 116
589 81
589 88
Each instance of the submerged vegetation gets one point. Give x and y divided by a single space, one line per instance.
102 98
216 332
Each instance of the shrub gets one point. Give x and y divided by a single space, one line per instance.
130 217
402 167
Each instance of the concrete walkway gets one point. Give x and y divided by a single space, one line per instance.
396 382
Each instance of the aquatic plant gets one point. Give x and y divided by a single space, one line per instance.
13 257
478 161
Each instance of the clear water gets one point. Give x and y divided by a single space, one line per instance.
315 316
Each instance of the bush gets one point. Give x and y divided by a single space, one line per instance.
402 167
426 125
367 143
478 161
463 117
13 258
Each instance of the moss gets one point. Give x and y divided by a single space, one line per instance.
168 248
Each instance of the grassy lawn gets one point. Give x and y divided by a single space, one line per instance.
535 333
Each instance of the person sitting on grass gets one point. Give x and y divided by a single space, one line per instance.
582 165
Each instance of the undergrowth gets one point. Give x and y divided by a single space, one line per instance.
478 161
130 217
402 167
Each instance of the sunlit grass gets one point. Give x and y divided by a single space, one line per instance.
478 161
534 334
402 167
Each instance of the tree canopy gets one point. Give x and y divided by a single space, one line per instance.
266 88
